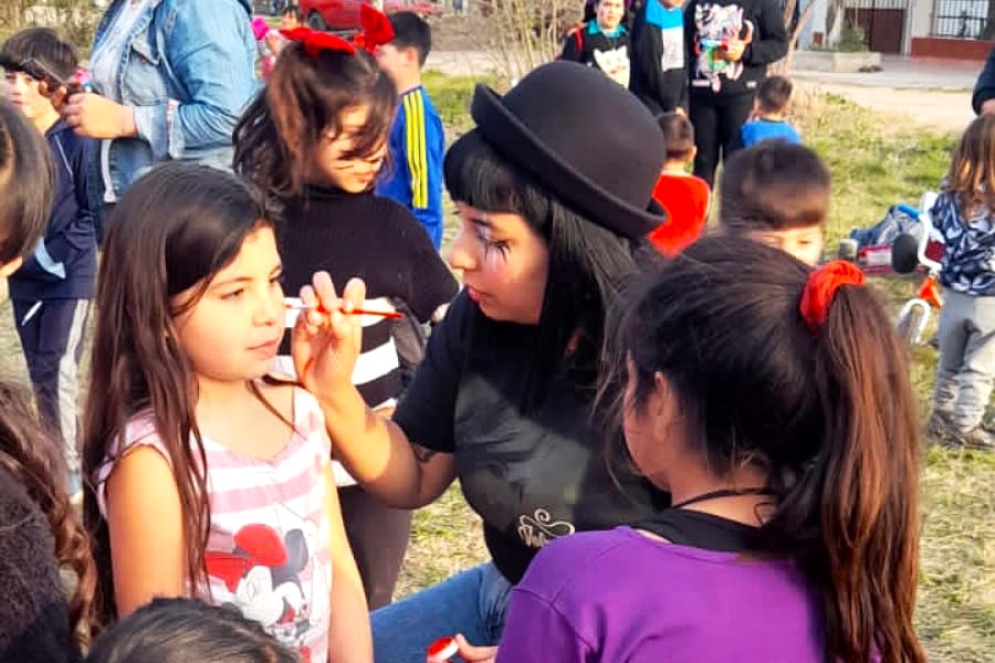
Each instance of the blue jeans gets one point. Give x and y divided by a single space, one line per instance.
473 603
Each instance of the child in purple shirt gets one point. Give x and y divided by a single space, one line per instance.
773 403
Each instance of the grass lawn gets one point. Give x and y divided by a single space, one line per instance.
876 161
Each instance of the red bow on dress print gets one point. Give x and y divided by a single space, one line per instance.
377 31
821 288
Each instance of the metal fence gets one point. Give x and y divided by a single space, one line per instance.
962 19
877 4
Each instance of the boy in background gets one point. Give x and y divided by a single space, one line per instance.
769 113
51 292
417 141
777 193
684 196
602 42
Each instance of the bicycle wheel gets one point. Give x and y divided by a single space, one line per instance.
909 326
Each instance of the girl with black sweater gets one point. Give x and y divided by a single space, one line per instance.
313 141
731 42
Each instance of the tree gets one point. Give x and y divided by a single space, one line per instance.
835 18
783 66
528 33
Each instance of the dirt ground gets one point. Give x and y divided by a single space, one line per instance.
937 109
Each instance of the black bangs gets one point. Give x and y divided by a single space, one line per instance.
476 175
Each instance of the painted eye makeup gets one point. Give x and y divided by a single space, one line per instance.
485 234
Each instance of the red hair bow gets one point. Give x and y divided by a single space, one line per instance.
315 42
377 31
821 290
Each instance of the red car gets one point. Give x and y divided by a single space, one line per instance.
341 15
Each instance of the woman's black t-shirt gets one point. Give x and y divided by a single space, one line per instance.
532 478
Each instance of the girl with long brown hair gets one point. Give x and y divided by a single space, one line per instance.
40 531
773 403
964 213
205 478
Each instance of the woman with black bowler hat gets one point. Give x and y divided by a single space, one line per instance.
503 400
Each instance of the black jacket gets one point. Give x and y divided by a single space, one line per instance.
34 612
64 264
984 89
581 44
659 63
708 22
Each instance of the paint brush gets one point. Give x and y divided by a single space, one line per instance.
300 306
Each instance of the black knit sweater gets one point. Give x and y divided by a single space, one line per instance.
375 239
34 612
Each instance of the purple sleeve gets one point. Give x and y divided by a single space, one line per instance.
535 630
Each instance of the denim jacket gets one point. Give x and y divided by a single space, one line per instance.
188 71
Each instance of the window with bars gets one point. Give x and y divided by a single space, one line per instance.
962 19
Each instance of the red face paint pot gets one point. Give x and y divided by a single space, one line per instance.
442 650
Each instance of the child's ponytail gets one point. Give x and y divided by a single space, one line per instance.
799 374
850 516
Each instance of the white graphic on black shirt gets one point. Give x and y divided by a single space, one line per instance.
715 25
615 63
538 530
673 48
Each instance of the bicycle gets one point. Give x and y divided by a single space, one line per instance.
907 254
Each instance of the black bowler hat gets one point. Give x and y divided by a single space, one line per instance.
582 137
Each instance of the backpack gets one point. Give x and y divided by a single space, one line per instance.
410 339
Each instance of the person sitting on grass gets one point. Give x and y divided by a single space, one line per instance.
769 113
773 403
683 195
777 193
